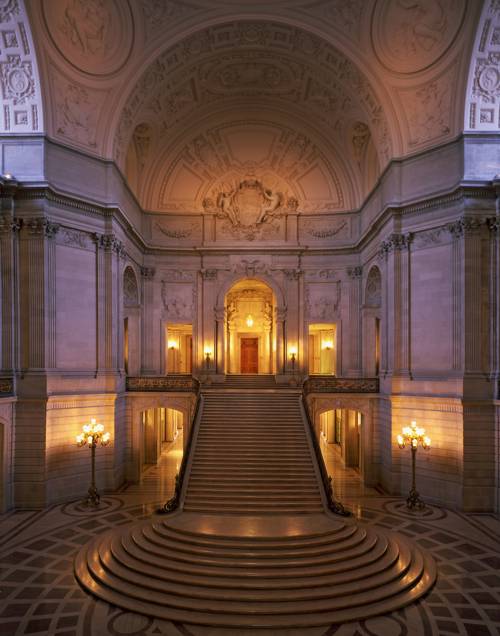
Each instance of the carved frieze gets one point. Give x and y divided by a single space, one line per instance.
179 301
319 230
323 301
178 230
464 226
74 238
177 275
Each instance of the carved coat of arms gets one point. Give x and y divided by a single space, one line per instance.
248 206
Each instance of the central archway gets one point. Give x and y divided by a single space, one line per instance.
250 306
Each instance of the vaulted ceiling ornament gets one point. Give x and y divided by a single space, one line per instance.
248 206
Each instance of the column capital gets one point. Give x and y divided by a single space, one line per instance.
355 272
10 225
395 242
40 226
494 225
464 226
208 274
147 272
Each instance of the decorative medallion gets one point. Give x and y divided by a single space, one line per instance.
95 36
410 35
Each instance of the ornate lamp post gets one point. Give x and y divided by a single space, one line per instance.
93 434
413 435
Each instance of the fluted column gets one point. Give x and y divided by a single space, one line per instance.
108 346
397 254
280 317
38 310
494 293
147 365
9 231
355 352
220 340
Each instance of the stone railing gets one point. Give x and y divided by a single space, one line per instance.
173 383
6 387
331 384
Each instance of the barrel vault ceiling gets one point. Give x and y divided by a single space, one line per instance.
310 98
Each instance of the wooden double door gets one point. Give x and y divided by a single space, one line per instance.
249 360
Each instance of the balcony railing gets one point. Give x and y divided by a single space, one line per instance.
331 384
173 383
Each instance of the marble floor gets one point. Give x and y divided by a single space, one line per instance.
39 594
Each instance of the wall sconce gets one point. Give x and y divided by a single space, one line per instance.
292 352
327 345
413 435
172 344
249 321
208 355
93 434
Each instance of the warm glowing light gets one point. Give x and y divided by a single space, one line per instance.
327 345
292 351
414 435
208 353
93 433
7 176
249 321
172 344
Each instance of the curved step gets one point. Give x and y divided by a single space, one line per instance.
176 570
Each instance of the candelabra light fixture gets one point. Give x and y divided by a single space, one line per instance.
414 435
92 435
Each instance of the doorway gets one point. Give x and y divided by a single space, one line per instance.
250 335
249 355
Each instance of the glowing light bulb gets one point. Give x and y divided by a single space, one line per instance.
249 321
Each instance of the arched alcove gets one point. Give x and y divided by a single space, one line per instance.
131 322
371 317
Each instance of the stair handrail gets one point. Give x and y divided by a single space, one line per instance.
334 505
173 503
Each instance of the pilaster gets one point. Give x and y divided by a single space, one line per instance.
9 281
355 349
147 364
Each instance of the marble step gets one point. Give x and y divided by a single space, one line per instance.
172 571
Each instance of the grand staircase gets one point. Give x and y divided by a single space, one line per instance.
253 546
252 457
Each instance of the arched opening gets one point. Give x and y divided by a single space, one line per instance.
162 439
250 306
371 322
341 441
